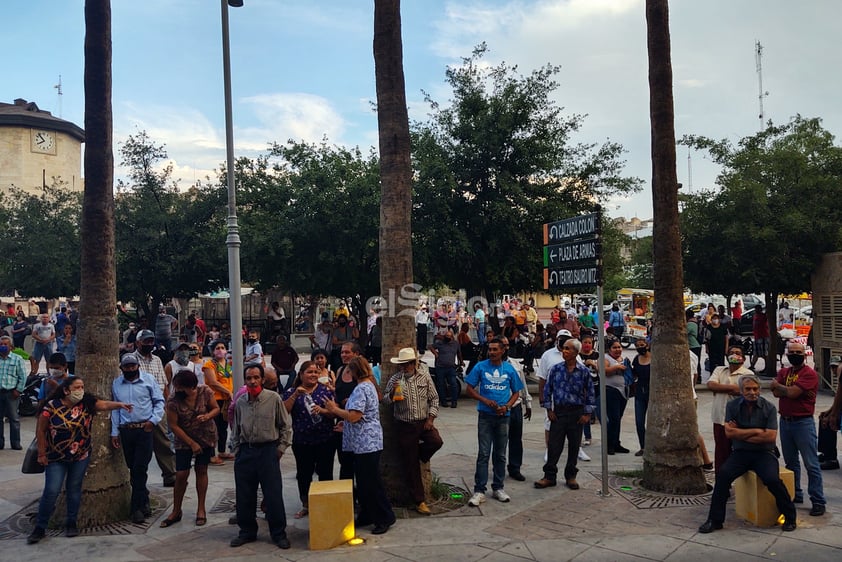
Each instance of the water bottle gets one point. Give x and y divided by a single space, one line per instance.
310 404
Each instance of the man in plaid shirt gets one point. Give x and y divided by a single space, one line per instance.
12 382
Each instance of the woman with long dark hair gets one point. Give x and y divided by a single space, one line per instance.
219 378
63 433
312 432
191 411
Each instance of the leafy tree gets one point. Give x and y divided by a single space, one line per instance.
310 221
41 242
773 217
671 462
169 243
491 168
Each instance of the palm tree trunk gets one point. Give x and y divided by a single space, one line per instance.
106 491
395 213
671 460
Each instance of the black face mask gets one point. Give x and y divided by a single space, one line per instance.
180 394
146 349
252 340
795 360
641 350
131 375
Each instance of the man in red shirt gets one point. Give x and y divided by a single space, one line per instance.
760 333
796 387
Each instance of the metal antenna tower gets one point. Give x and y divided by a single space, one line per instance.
689 172
60 94
758 59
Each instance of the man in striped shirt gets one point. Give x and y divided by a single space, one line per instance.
416 404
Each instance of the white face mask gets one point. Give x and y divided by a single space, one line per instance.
75 396
56 373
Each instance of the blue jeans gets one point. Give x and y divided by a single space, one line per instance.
641 405
9 411
40 350
615 405
447 376
799 436
481 333
54 476
492 438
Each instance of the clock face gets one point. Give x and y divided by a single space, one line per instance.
43 141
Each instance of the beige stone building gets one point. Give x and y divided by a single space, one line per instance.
38 149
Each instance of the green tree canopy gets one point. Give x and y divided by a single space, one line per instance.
495 165
41 242
170 243
774 215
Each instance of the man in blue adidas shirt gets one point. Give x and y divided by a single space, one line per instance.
495 384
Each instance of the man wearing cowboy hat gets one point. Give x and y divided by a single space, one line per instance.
416 404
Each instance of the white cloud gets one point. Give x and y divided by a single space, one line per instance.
283 116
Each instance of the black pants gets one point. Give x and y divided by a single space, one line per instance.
221 427
421 337
137 449
255 466
515 439
312 458
566 427
374 505
765 465
346 460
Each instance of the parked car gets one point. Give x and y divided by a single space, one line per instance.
742 326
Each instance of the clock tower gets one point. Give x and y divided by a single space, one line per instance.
38 149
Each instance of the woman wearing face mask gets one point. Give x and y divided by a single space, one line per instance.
312 433
640 367
63 434
219 378
615 395
191 410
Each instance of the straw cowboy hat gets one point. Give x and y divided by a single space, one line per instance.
405 355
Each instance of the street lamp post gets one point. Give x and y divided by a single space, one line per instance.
232 242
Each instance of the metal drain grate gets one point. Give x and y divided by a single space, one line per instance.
21 523
641 498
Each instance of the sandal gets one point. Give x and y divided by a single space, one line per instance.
302 513
226 456
200 521
170 521
216 461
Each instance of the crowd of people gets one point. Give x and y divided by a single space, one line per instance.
187 414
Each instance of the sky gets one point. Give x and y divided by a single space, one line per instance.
304 70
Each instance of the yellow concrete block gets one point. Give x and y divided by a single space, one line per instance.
331 506
754 502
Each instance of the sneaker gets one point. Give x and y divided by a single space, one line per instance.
586 442
583 456
71 531
476 499
501 495
818 510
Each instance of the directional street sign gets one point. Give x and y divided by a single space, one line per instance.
582 276
568 253
571 229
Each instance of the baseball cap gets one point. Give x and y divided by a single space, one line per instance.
129 359
564 334
145 335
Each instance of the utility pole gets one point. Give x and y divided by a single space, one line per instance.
758 59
